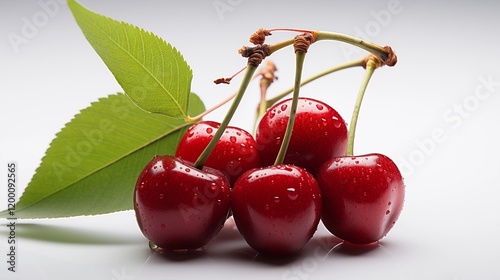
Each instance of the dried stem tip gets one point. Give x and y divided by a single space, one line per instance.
259 37
222 81
302 42
255 54
268 72
371 58
391 58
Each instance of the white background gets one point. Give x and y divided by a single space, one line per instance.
435 113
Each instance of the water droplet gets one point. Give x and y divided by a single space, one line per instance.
324 122
337 124
271 114
387 212
283 107
161 196
209 130
238 133
319 106
357 161
379 168
276 199
364 193
232 139
243 149
288 168
213 187
188 170
389 179
292 194
190 134
389 203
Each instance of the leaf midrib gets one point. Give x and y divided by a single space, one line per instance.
103 167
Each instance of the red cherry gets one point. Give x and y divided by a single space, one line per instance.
319 133
234 153
178 206
276 209
362 197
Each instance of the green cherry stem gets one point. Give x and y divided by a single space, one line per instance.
250 70
336 68
386 54
371 65
299 63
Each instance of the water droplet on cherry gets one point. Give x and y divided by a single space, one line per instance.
283 107
324 122
387 212
379 168
232 139
209 130
319 106
292 194
276 199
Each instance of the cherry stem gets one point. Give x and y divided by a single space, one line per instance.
278 46
384 53
354 63
299 63
250 70
264 85
290 29
371 65
208 111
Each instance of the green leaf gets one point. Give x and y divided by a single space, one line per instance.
152 72
91 166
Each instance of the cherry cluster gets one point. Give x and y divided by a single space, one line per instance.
277 186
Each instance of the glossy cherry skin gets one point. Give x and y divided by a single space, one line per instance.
362 197
235 153
179 207
276 209
319 133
